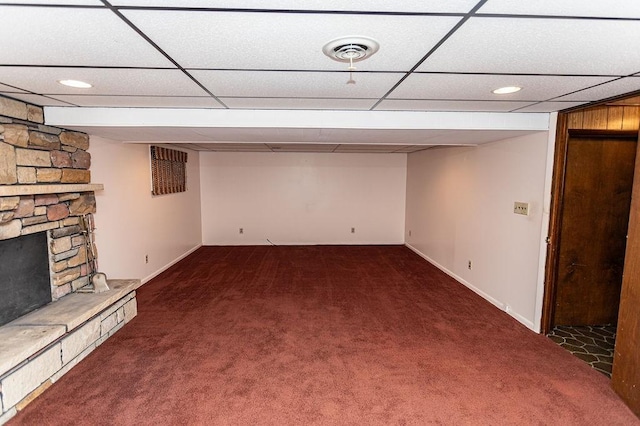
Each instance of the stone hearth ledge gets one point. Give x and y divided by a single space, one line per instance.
56 188
25 336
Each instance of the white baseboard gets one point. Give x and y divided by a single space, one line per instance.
503 307
170 264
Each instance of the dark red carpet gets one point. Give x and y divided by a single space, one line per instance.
323 335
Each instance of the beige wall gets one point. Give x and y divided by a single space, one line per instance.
132 223
460 208
299 198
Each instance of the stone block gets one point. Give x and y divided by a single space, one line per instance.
65 255
80 340
6 217
69 148
46 199
16 135
35 114
80 282
48 175
75 176
49 129
73 220
25 208
61 291
59 266
34 220
8 415
66 276
39 140
81 159
8 164
108 323
26 175
61 159
9 203
11 229
21 342
22 382
67 230
13 108
80 258
59 245
77 240
57 211
33 395
69 196
75 139
86 203
130 310
40 211
64 370
39 228
32 157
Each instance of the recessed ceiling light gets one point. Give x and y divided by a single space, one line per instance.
507 90
75 83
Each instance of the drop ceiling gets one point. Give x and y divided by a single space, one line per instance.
266 55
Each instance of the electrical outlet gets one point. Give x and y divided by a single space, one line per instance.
353 230
241 230
469 265
521 208
146 258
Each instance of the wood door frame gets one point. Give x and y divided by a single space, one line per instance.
563 134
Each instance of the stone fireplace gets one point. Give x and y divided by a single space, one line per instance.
45 190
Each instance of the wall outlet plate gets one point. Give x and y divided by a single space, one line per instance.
521 208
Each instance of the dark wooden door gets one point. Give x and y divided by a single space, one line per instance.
595 217
626 360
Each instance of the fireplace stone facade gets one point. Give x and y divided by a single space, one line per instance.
45 186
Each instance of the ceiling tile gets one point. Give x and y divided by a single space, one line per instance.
615 88
612 9
60 36
370 148
549 106
479 87
299 103
435 105
539 46
286 41
104 81
296 84
35 99
142 101
8 89
433 6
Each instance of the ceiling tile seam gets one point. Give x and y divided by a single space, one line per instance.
554 17
286 11
54 6
583 89
452 31
160 50
472 73
29 92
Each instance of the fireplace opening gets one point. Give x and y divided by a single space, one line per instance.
24 275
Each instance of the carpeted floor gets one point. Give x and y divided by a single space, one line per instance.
323 335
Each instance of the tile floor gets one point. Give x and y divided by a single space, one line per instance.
592 344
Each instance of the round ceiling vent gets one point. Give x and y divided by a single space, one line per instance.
351 48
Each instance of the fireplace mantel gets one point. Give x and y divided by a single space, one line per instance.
56 188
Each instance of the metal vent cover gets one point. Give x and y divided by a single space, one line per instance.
351 48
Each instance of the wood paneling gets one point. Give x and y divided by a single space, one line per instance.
626 365
596 118
631 118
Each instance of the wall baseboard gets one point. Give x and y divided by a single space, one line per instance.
169 265
503 307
